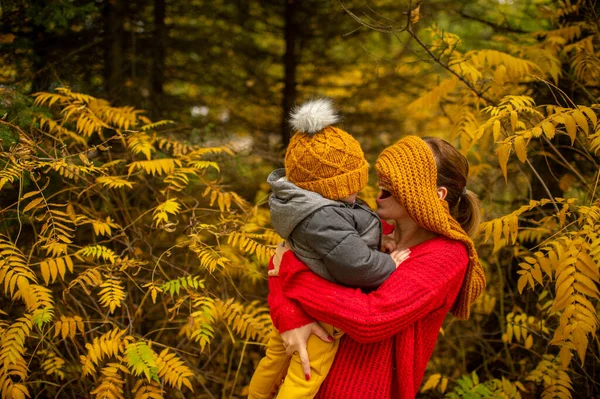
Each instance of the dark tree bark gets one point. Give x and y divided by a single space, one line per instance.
290 61
159 54
42 75
113 47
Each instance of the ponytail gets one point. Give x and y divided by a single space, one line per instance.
467 213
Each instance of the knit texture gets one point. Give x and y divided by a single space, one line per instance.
328 161
409 170
390 333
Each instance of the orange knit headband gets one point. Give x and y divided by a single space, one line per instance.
409 170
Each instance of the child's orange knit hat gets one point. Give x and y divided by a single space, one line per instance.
323 158
409 170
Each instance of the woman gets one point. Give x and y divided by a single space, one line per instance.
391 332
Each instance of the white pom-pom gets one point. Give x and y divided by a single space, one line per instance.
313 116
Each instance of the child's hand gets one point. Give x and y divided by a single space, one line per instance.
388 244
400 256
279 251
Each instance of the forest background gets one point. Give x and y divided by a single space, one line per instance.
136 137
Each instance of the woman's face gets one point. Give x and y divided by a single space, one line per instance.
387 206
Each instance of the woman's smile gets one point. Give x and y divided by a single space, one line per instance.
384 194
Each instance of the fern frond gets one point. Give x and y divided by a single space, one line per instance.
141 143
10 173
173 370
108 345
516 68
576 287
14 271
52 267
43 315
114 182
204 165
13 340
223 199
98 252
173 287
67 326
112 293
200 152
556 382
209 258
176 147
507 226
162 211
111 382
10 371
154 125
519 327
179 180
142 389
120 117
248 244
155 166
203 329
87 279
52 363
141 359
249 321
57 130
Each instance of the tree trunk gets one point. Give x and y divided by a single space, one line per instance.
113 47
159 54
42 77
290 60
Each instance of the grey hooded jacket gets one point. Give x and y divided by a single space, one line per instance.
336 240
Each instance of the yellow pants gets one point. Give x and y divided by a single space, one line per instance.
273 367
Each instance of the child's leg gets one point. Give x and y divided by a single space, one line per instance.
270 370
321 355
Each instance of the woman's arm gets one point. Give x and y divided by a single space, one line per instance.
419 286
286 314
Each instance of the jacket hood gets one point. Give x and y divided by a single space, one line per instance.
291 204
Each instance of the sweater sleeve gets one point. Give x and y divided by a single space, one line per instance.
347 257
420 286
286 314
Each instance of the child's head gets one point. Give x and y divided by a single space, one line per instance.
323 158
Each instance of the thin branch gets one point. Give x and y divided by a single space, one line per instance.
543 185
438 60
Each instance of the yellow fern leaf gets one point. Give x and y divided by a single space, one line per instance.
110 383
155 166
162 211
114 182
111 293
98 252
87 279
173 370
141 143
68 326
142 389
110 344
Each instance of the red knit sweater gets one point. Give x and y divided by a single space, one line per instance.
390 333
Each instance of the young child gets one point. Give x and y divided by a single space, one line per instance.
314 208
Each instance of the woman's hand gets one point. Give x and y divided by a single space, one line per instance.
295 341
279 251
400 256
